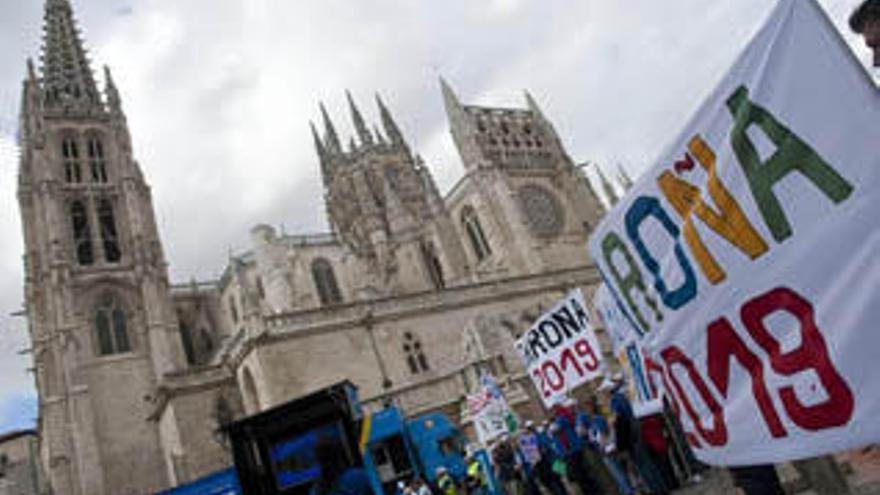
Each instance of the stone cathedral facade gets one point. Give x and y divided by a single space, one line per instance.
412 294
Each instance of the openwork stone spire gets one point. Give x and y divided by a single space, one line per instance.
68 80
391 128
359 125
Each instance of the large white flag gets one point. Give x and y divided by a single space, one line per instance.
748 256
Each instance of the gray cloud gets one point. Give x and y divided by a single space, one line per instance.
219 94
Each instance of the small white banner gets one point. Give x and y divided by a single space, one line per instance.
560 350
489 411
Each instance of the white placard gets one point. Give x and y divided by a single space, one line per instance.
560 350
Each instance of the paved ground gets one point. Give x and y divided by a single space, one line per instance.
862 466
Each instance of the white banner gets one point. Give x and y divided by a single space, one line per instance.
560 350
489 411
748 256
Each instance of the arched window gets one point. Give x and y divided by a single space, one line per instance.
475 234
415 356
187 339
206 343
111 327
82 237
109 237
249 392
97 164
70 154
433 266
325 282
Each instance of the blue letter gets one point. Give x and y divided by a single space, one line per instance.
638 212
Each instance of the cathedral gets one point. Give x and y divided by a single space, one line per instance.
411 295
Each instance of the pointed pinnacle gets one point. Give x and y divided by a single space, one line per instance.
606 186
623 177
388 122
331 138
379 137
533 105
319 146
32 73
449 96
359 125
113 100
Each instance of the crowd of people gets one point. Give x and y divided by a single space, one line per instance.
578 446
579 449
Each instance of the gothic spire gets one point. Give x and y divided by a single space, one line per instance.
379 138
624 178
533 106
389 124
450 100
331 138
67 76
363 133
114 102
322 153
607 188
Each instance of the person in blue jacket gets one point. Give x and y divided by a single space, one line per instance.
571 448
593 426
550 454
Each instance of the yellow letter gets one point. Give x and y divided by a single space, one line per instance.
730 222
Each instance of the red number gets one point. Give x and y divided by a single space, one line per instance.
585 350
655 369
715 436
724 344
812 354
544 390
557 384
568 358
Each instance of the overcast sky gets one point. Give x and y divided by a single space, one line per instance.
219 94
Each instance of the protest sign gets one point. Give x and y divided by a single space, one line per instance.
746 257
560 350
489 411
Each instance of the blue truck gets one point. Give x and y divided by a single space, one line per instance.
274 450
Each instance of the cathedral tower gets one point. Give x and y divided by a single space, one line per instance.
384 205
523 197
96 286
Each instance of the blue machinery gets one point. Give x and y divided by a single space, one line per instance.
274 450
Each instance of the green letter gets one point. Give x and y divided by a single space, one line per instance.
791 154
632 280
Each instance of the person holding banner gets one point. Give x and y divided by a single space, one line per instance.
593 427
631 446
573 449
507 468
537 454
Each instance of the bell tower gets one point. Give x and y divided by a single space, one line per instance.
96 286
385 207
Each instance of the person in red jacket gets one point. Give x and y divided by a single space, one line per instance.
653 429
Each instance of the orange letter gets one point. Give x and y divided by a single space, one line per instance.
729 222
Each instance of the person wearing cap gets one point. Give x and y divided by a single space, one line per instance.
593 426
537 461
506 468
551 468
571 448
631 446
475 480
445 482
